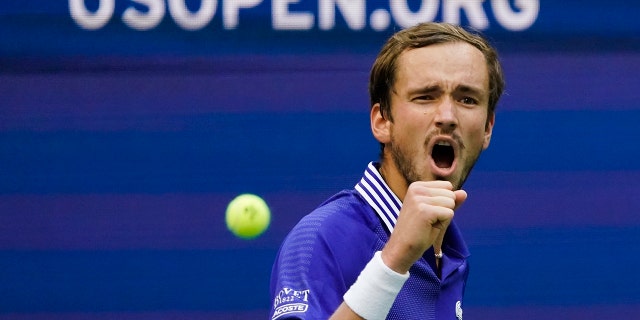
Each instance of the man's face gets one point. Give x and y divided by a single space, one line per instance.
439 105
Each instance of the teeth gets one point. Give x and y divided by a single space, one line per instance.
443 143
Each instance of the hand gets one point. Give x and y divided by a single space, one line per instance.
427 211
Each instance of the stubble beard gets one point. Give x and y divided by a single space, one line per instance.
404 161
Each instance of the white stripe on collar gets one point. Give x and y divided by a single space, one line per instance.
379 196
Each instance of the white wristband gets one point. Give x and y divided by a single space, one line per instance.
375 290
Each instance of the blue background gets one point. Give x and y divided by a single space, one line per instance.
120 149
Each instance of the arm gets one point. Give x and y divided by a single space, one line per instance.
345 313
425 215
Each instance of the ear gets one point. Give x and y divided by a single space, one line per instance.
488 130
380 127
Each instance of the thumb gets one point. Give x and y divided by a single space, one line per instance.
461 197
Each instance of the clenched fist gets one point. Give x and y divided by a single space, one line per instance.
427 210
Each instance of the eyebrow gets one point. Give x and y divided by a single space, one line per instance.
470 89
425 89
437 88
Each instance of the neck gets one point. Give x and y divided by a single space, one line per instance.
393 178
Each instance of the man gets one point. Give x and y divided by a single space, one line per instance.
388 248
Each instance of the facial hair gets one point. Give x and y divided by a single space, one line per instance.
404 161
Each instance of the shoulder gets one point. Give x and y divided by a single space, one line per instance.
339 235
344 215
323 255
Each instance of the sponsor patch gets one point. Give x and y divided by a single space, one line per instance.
289 308
290 301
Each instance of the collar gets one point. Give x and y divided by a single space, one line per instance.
386 204
379 196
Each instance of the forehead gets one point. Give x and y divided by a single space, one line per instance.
449 64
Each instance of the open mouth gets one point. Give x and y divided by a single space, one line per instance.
443 154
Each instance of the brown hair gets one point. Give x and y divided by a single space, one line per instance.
383 72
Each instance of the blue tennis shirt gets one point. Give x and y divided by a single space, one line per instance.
325 252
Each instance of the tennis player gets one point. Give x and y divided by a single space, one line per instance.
389 248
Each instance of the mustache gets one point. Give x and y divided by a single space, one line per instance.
453 135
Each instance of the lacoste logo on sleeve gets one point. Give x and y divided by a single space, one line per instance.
290 301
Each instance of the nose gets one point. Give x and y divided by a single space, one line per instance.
445 118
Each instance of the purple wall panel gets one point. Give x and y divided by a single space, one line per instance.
119 151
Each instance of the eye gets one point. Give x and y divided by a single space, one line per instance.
423 98
469 101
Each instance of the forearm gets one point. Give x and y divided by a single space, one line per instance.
373 293
345 313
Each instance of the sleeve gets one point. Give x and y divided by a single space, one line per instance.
306 280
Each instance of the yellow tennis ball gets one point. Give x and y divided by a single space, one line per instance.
247 216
